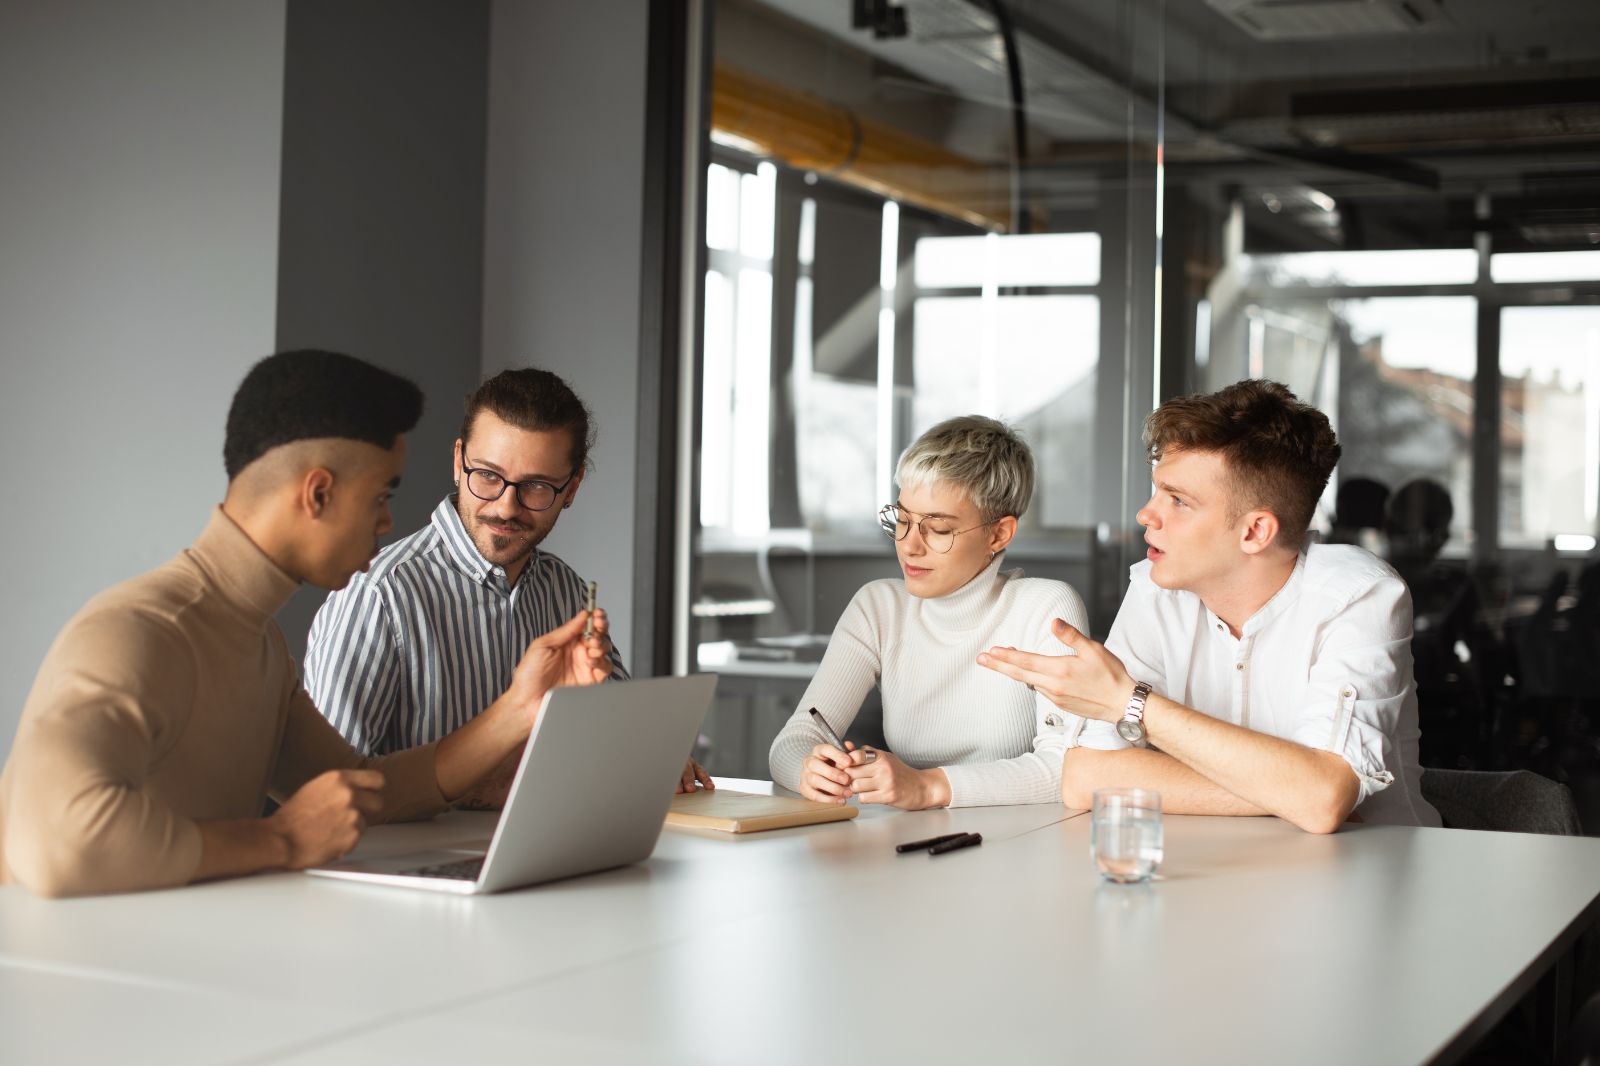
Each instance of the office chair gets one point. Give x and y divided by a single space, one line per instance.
1516 801
1581 1046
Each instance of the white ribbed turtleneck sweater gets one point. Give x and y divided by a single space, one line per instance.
995 739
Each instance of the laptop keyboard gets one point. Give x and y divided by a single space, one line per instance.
463 870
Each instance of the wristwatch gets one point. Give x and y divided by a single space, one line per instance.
1131 728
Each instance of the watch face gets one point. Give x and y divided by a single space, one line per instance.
1131 730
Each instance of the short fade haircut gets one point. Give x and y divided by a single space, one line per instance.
987 460
537 401
310 394
1279 452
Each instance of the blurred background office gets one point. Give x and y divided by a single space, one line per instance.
771 241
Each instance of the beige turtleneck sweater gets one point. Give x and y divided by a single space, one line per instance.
996 741
166 701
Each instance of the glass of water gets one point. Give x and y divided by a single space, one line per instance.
1125 833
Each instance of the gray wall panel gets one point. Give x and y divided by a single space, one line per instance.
562 245
139 167
381 249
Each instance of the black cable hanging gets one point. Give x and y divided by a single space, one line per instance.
1019 112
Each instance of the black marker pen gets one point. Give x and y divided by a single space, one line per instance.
920 845
832 737
965 840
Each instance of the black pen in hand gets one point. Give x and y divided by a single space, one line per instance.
833 738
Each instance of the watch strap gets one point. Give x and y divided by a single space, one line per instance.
1131 725
1135 709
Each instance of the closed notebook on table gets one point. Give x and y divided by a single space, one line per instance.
746 812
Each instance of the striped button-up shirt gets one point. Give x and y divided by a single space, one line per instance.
427 638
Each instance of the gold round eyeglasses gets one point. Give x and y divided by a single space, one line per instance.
896 521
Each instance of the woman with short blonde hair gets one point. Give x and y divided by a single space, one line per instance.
958 735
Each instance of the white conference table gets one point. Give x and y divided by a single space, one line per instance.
1259 944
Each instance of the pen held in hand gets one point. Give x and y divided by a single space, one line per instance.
588 624
833 738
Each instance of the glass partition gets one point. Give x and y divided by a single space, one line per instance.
898 231
1119 202
1397 220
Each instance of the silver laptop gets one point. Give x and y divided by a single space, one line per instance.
591 793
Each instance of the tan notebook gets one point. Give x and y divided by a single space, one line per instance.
746 812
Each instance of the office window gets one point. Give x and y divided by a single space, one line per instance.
1359 269
1550 425
1546 266
1394 374
1028 360
737 351
1406 396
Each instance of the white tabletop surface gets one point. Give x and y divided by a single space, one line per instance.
1259 944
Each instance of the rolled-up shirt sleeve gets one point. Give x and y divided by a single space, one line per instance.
1359 682
1102 736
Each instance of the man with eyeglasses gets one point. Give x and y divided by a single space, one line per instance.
427 639
168 709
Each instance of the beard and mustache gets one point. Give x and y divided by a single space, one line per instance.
519 542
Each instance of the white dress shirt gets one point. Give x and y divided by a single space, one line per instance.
1325 663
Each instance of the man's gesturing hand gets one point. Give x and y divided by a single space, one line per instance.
326 817
594 651
1092 682
560 657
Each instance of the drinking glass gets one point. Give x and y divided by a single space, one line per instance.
1125 833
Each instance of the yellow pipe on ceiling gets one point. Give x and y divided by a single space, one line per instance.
810 133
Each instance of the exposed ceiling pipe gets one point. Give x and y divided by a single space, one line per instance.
810 133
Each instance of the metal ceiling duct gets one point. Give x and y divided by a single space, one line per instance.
1311 20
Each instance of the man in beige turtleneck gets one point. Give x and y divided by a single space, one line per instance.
168 708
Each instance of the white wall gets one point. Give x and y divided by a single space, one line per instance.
139 169
562 245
